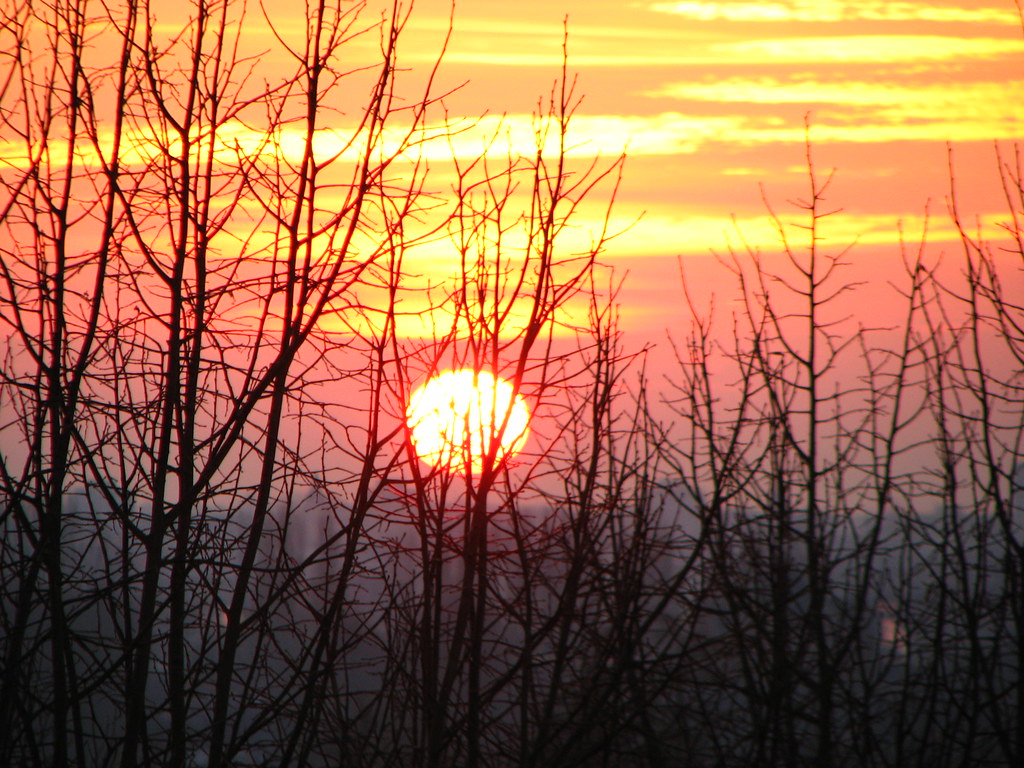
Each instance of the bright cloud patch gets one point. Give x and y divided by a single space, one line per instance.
989 110
883 117
677 133
765 90
553 60
873 48
836 10
868 131
661 235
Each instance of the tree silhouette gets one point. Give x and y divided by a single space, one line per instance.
219 546
859 487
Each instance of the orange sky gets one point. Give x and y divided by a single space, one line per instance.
709 99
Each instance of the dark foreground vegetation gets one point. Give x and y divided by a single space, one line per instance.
218 548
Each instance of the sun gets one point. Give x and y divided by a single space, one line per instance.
456 415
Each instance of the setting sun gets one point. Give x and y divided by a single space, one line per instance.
456 414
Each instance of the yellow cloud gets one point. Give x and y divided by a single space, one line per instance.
849 48
664 235
679 133
977 117
551 33
873 48
699 11
553 60
977 128
766 90
836 10
991 109
502 136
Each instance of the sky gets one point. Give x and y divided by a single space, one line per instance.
710 101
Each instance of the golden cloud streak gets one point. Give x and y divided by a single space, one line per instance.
873 48
836 10
665 133
765 90
995 109
701 234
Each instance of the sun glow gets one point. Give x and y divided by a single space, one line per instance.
458 417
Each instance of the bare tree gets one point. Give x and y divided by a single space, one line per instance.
209 555
178 224
860 491
219 544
